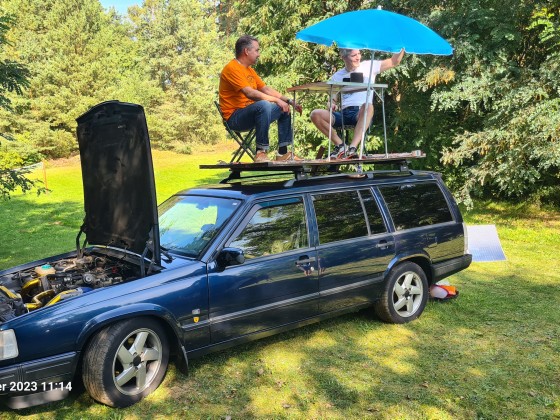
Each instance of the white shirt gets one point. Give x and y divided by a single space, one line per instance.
358 98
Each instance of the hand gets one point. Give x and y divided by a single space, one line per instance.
297 107
283 105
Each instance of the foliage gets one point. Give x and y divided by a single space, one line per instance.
510 145
487 117
80 55
181 44
13 78
13 75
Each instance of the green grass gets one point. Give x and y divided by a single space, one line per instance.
491 353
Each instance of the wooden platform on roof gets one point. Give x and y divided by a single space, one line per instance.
301 165
312 166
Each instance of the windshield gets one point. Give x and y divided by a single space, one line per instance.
188 223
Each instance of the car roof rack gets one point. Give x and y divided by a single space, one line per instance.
305 169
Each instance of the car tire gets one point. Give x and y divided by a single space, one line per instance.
405 295
126 361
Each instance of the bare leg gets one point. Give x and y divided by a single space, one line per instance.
358 130
320 117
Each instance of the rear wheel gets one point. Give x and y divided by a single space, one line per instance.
126 361
405 295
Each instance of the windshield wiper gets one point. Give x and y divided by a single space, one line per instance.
166 254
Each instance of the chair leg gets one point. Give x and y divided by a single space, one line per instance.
244 146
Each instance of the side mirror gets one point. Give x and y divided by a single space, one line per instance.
230 256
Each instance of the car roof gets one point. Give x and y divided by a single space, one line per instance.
246 189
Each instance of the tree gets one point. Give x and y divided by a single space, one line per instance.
507 98
78 55
13 78
487 116
181 46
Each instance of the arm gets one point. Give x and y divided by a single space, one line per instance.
269 94
273 92
394 61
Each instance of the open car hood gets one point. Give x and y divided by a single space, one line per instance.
118 177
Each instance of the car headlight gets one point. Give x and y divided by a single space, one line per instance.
8 345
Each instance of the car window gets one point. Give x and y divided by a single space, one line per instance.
341 215
275 227
376 224
416 205
188 223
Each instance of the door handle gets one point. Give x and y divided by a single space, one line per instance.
384 244
431 240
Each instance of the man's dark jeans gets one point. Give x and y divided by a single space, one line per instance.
260 115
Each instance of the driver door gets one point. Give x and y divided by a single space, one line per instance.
277 284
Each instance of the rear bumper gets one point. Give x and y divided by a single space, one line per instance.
449 267
37 382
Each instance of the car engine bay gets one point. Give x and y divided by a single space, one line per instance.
52 282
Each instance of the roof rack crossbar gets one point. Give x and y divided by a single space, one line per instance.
236 175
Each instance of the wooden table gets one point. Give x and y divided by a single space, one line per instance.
338 88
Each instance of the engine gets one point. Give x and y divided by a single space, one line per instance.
45 285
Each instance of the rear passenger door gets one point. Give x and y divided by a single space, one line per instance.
354 248
420 213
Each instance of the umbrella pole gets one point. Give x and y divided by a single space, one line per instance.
384 123
294 126
366 106
330 120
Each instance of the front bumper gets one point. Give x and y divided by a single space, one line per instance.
37 382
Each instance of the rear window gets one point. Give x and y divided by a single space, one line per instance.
347 215
416 205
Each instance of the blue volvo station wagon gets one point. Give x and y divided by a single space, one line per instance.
212 267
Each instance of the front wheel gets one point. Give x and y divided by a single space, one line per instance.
126 361
405 295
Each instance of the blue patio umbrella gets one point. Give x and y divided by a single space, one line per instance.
376 30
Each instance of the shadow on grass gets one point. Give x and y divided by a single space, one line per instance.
459 359
488 354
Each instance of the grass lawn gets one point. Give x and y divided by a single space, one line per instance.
491 353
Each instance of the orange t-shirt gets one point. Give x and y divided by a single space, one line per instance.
234 77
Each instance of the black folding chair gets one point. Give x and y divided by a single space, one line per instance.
244 141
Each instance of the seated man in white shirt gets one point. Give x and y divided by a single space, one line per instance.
353 104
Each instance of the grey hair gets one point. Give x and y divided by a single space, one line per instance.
345 52
243 42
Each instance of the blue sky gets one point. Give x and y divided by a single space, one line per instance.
120 5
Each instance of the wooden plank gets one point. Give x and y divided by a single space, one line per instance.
301 166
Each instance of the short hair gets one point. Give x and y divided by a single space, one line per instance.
243 42
345 52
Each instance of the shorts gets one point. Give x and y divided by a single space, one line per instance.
348 114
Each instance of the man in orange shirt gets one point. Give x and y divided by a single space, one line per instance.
247 102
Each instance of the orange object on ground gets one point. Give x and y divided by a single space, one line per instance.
443 292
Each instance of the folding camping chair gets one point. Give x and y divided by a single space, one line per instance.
346 133
244 141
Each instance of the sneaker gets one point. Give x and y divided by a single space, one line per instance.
352 153
338 151
286 157
261 156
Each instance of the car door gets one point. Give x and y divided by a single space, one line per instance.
421 213
354 248
277 284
